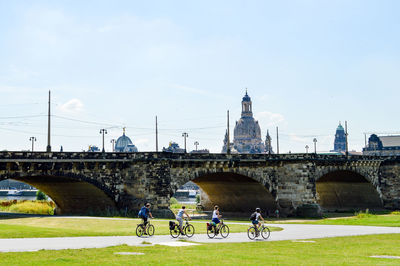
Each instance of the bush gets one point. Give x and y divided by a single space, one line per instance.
40 195
32 207
395 213
198 199
365 214
173 200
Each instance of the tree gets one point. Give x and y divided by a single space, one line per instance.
40 195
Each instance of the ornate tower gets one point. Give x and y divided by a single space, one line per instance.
268 143
246 106
340 139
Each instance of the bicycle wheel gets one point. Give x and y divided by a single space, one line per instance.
252 232
224 230
189 230
150 230
175 232
211 232
139 230
265 232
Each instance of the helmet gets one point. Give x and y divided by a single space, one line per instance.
258 210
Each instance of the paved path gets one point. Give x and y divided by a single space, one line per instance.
290 232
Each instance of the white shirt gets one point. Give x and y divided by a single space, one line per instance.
215 215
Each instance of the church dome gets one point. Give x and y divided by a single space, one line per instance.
247 128
246 98
124 144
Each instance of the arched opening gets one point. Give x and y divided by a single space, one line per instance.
346 191
234 193
71 196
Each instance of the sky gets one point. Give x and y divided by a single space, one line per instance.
111 64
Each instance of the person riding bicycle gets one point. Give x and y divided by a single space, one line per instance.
257 216
216 215
144 213
179 217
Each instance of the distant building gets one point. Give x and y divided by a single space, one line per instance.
124 144
174 148
93 148
383 145
268 144
339 144
247 133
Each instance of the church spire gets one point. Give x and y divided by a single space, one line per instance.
246 106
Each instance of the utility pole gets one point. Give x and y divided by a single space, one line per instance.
185 135
277 140
347 143
48 148
156 135
103 131
228 147
32 139
196 143
113 144
315 145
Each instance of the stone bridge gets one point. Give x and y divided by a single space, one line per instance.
296 184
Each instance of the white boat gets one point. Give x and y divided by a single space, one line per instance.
14 192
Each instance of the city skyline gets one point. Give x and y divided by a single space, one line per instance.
307 66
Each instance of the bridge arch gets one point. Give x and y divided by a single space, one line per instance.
346 190
72 193
234 191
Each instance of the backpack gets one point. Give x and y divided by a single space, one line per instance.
142 213
253 216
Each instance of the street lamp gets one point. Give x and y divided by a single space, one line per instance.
307 148
103 131
32 139
185 135
196 143
113 144
315 145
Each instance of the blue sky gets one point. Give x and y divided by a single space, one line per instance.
307 65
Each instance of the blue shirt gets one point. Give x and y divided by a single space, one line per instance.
144 211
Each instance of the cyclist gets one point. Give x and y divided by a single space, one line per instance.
258 216
216 216
145 213
179 217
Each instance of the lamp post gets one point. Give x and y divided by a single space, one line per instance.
32 139
113 144
103 131
315 145
196 143
307 148
185 135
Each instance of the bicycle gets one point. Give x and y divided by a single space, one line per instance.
213 230
254 232
175 231
141 229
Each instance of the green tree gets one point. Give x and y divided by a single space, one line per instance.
40 195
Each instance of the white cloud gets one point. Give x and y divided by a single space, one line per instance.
269 118
72 106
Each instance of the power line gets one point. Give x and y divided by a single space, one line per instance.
19 117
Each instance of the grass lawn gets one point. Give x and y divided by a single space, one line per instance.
328 251
392 219
62 227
